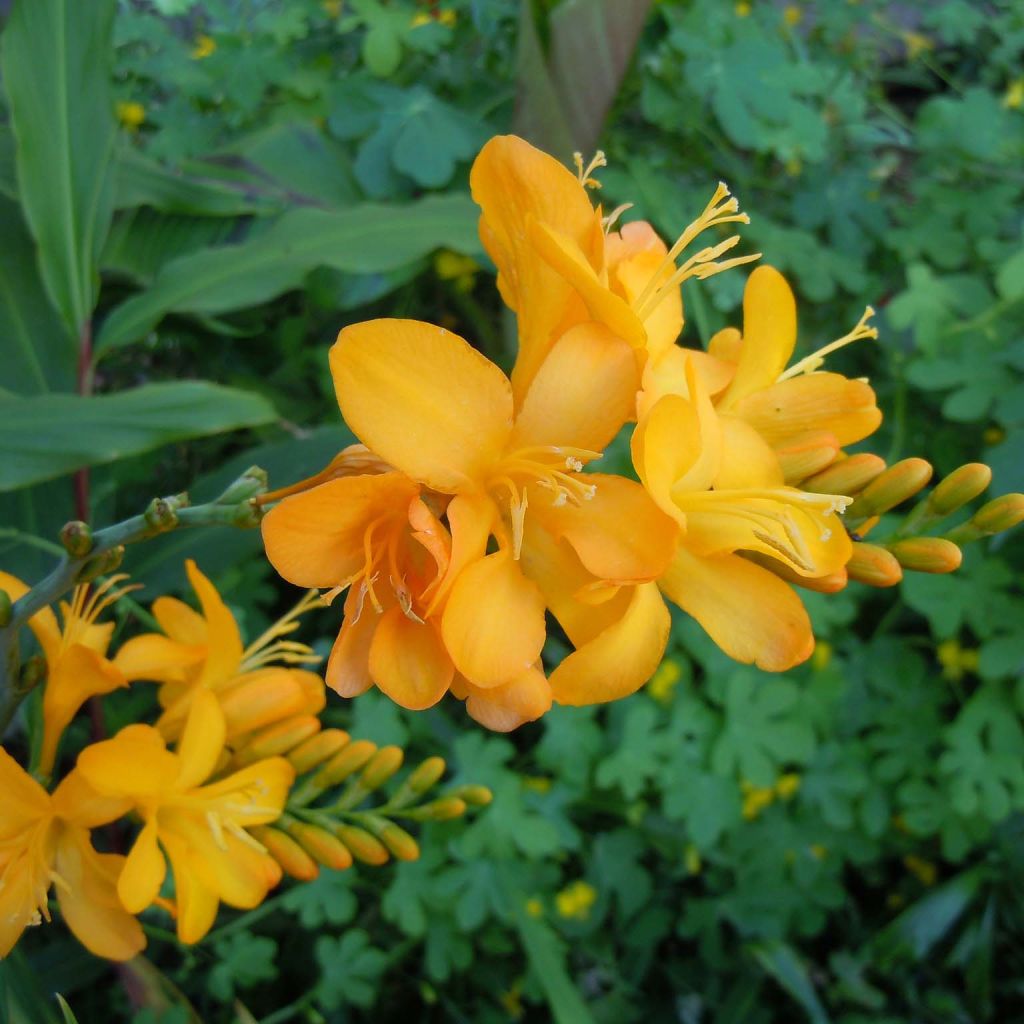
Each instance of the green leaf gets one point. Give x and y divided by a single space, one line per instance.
365 239
39 354
382 50
351 969
56 57
66 1011
48 435
780 961
328 899
244 960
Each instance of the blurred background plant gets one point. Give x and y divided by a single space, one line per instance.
242 177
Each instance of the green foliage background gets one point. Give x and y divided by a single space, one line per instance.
299 177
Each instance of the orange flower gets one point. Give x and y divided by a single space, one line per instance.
44 841
471 468
202 828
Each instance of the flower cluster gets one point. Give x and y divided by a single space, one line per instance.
225 785
469 512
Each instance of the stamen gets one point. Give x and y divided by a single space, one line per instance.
213 822
608 222
268 648
240 833
809 364
585 174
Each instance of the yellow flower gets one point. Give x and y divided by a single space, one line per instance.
451 615
787 785
457 268
756 799
1013 98
204 47
955 660
131 114
818 851
792 15
576 900
204 651
75 652
664 682
202 829
534 907
332 8
923 870
822 656
742 9
692 860
916 44
44 841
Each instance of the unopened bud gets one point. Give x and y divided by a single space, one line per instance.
477 796
264 697
381 767
1002 513
317 749
874 566
401 845
345 762
806 456
161 515
927 554
364 847
102 564
891 488
960 487
6 606
847 476
278 739
426 775
445 808
252 482
321 845
76 537
293 858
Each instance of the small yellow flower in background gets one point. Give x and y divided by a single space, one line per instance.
420 18
955 660
818 851
576 900
786 786
792 15
924 870
742 9
445 16
756 799
664 682
512 1001
204 47
994 435
537 783
894 900
916 44
1013 98
461 270
822 656
534 907
130 114
794 166
332 8
691 859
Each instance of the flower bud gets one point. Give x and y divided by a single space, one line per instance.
76 538
344 763
927 554
476 796
806 455
381 767
891 488
445 808
278 739
960 487
317 749
426 775
161 515
1002 513
847 476
364 847
252 482
102 564
292 857
874 566
399 842
5 611
266 696
323 847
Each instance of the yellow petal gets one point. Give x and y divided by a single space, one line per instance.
470 520
348 668
43 623
90 903
582 393
76 801
634 270
135 763
423 400
143 872
812 402
769 334
620 659
620 535
24 800
202 740
408 661
196 902
77 674
22 899
725 346
256 699
253 795
750 613
747 459
157 658
493 623
184 625
316 538
223 639
504 708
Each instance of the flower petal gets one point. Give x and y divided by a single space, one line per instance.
24 802
43 623
493 623
620 659
409 662
470 520
506 707
750 613
423 400
620 535
769 334
76 801
143 872
747 460
184 625
196 902
223 638
348 668
202 741
316 538
135 763
582 393
157 658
